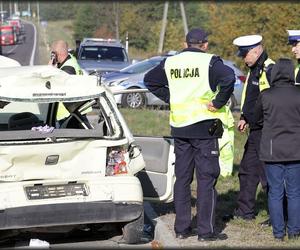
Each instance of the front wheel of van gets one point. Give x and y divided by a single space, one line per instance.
133 231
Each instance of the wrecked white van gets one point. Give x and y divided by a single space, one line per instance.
67 157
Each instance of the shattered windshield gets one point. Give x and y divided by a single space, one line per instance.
94 118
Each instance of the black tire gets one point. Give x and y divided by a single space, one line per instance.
133 100
133 231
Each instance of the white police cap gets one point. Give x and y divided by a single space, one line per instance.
294 36
245 43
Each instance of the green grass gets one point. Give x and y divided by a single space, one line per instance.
55 30
147 122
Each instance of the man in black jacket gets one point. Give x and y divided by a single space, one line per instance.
197 85
251 170
279 107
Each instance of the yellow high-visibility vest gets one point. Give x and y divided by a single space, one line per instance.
72 61
190 92
62 112
188 77
262 83
296 73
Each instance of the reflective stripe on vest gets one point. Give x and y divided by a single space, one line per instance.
190 92
262 83
296 73
73 63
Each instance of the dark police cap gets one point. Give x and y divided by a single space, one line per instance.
196 36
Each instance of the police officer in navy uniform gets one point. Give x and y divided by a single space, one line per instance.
294 41
251 170
197 85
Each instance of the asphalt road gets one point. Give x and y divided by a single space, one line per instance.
80 239
24 52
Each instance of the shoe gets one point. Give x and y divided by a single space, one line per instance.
182 236
238 215
279 238
245 218
293 236
266 223
212 237
227 217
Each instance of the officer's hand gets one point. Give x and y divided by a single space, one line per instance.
52 62
210 107
242 125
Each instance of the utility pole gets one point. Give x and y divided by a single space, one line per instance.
185 27
10 8
116 11
163 28
126 43
38 11
164 24
15 7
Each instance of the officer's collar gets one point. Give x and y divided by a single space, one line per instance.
260 61
67 58
193 50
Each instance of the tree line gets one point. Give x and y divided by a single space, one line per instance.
142 21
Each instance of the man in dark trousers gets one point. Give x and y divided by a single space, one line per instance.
279 108
251 171
197 85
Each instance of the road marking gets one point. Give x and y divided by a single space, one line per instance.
14 47
31 63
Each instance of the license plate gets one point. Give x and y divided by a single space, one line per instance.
55 191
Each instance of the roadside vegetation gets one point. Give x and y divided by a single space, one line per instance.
154 122
141 22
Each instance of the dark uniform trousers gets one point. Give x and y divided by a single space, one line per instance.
251 173
202 155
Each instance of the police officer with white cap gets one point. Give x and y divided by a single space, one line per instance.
197 85
294 41
251 170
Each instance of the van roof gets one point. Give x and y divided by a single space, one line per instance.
101 41
46 83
